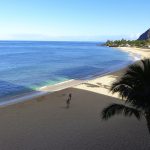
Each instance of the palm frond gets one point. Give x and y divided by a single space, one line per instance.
135 70
134 85
122 87
115 109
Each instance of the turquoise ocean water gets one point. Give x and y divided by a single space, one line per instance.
27 66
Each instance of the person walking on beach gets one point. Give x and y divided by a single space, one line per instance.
68 100
70 96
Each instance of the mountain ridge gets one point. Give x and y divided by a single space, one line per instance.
145 35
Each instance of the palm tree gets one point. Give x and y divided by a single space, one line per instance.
134 88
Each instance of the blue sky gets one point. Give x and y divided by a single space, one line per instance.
95 20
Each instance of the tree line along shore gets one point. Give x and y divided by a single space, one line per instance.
142 42
129 43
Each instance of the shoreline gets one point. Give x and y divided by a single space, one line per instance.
45 90
49 89
142 52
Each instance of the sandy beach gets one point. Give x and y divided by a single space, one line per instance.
45 123
143 53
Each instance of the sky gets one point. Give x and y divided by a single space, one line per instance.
73 20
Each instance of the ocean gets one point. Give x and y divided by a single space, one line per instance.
26 66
